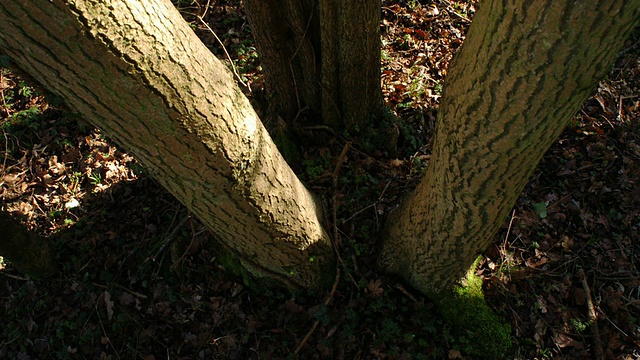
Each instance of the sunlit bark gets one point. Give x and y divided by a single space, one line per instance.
523 72
136 70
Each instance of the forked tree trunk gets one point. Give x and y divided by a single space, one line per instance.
136 70
321 59
523 72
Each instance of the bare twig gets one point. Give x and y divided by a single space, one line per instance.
335 243
406 292
317 322
235 71
593 318
334 195
630 49
104 332
206 8
334 200
22 278
168 239
174 266
137 294
450 10
504 243
370 205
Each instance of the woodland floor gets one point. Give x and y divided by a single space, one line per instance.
141 279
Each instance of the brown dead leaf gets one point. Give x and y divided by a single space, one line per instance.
567 243
421 34
564 341
108 303
375 287
455 354
614 341
126 299
231 341
10 179
579 296
541 330
71 156
431 10
542 305
292 307
56 167
5 83
613 298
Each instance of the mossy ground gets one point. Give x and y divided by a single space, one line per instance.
474 326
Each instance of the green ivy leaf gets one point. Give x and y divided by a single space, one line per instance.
540 209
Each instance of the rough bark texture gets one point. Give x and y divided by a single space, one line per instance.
320 57
28 252
282 30
136 70
520 77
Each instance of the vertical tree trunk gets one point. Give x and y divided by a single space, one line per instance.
28 252
350 51
323 57
136 70
523 72
287 38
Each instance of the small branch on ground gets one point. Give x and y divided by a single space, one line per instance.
593 318
334 184
169 238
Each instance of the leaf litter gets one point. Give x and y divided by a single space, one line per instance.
141 278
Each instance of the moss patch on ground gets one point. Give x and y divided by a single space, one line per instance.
474 328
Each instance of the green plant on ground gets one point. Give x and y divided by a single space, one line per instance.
95 178
316 167
437 89
578 325
24 89
475 329
27 118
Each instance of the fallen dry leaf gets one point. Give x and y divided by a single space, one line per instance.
108 303
375 287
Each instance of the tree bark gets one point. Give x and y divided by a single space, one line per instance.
28 252
523 72
320 57
136 70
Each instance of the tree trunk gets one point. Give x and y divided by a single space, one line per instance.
323 57
28 252
136 70
523 72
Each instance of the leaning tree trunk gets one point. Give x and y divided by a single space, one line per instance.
520 77
323 57
136 70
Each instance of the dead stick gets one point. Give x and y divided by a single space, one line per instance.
317 322
593 318
334 192
336 244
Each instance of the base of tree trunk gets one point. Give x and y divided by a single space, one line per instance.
28 252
